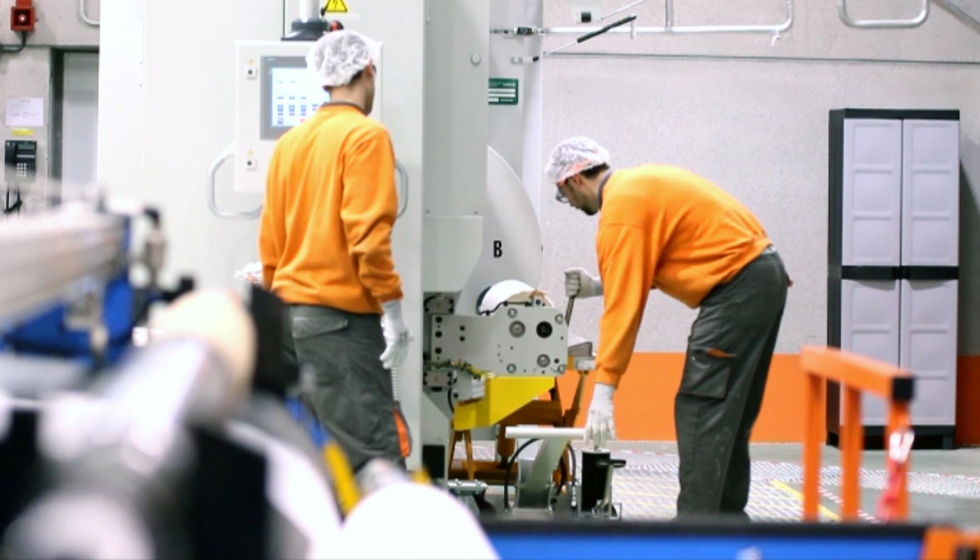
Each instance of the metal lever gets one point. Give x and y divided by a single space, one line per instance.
568 310
628 19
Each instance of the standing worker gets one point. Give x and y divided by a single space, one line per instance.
666 228
325 246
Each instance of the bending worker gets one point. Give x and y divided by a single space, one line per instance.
325 246
666 228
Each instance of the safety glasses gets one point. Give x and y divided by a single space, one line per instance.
558 194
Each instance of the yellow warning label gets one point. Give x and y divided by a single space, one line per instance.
336 7
23 132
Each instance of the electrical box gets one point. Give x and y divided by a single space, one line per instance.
586 11
274 93
20 162
894 257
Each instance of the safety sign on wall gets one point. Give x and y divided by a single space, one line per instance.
335 7
503 91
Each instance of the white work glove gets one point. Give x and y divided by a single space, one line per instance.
251 273
600 427
580 284
397 335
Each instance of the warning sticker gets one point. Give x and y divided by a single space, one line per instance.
336 7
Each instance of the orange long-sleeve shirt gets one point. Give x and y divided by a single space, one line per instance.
664 228
330 206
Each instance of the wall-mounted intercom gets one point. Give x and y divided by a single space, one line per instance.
20 162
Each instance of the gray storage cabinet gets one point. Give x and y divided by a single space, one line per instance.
894 258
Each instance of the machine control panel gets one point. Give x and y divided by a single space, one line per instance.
274 93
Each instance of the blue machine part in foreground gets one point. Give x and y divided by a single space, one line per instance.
307 421
673 540
48 335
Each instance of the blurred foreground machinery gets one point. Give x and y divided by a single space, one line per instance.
195 443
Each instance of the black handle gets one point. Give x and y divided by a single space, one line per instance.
605 29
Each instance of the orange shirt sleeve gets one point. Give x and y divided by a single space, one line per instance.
368 211
272 229
626 265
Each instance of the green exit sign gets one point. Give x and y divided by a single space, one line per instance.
503 91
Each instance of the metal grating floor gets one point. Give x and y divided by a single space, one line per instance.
647 487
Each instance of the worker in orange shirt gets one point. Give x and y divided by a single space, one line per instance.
668 229
325 246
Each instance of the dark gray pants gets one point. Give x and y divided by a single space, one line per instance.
353 396
728 357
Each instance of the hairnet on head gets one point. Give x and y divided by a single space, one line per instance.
339 55
575 155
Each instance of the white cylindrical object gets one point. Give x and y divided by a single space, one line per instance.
308 10
220 320
447 530
536 432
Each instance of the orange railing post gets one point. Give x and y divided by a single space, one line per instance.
852 443
811 448
855 374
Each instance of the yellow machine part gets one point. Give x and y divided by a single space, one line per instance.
348 492
504 396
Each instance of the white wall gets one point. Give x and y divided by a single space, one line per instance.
753 118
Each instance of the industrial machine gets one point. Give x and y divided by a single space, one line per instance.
490 343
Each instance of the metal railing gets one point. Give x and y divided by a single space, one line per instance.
669 26
883 23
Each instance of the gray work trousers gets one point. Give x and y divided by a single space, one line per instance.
353 397
725 371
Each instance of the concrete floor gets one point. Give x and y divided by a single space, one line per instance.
944 485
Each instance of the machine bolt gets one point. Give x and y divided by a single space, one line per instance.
561 368
544 360
475 59
517 329
511 368
559 319
512 313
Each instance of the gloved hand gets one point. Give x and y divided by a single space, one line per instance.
600 427
251 273
397 335
580 284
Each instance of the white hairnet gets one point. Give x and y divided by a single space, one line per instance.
574 155
339 55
